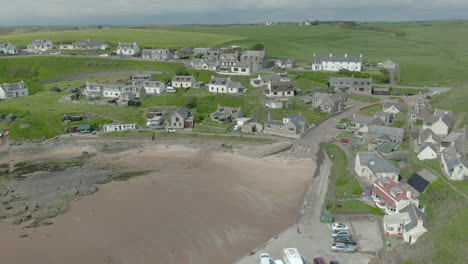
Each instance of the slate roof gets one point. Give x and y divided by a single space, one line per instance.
441 112
279 86
452 159
336 58
298 120
452 137
152 84
254 53
183 78
390 104
219 81
425 134
13 86
414 214
89 42
446 119
425 145
367 120
377 163
183 111
389 131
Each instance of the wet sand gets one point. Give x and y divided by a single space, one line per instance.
197 207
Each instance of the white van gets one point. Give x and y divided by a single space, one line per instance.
170 89
264 258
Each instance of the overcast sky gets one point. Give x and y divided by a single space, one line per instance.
167 12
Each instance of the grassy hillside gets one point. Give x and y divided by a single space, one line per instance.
432 54
144 37
454 100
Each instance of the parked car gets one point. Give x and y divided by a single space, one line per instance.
73 54
337 233
319 260
236 128
345 239
409 94
435 92
428 97
171 89
120 80
104 55
171 130
339 226
344 140
55 53
341 126
341 247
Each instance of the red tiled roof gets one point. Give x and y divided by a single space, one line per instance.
385 192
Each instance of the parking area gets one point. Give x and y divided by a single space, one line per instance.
368 235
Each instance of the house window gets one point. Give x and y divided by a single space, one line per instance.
177 119
275 93
291 129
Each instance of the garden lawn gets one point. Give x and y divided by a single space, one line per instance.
345 183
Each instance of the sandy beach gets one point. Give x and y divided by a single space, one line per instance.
196 207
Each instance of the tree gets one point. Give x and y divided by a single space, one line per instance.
198 56
99 26
181 70
314 23
258 46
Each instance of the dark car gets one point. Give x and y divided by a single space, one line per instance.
73 54
409 94
340 126
319 260
428 97
346 240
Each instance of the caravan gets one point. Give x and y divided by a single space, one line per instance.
292 256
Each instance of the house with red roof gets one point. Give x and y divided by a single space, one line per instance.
391 196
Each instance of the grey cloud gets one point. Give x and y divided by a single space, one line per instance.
238 11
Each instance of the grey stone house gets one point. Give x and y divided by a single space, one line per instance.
157 54
292 126
352 85
280 89
180 119
377 133
265 79
12 90
224 114
329 103
258 59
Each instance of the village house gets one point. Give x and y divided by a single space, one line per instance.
419 182
157 54
373 166
40 45
128 49
293 126
262 80
119 127
8 48
280 89
381 91
274 104
449 140
153 87
256 58
440 123
329 103
391 107
237 68
212 55
420 111
409 224
113 90
224 85
461 143
377 134
85 45
336 63
427 151
201 50
388 64
362 122
180 119
455 165
138 78
391 197
427 136
182 81
224 114
352 85
13 90
387 118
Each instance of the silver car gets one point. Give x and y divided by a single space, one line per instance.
342 247
337 233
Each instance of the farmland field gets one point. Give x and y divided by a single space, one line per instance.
144 37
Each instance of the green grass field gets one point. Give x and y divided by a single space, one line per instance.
150 38
345 183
